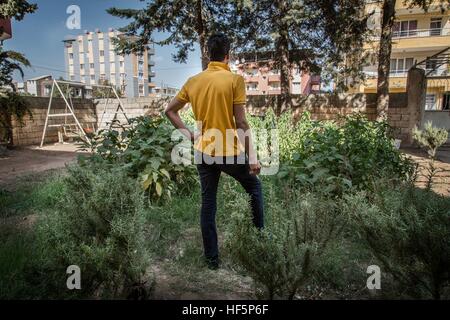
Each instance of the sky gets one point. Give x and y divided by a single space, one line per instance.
39 36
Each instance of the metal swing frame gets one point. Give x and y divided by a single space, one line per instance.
70 111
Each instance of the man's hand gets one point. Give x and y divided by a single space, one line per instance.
255 168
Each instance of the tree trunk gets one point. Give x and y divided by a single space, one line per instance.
282 59
202 34
384 58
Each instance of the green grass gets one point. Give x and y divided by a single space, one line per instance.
33 193
173 241
16 253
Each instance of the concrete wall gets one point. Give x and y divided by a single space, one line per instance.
134 107
31 132
440 119
331 107
322 107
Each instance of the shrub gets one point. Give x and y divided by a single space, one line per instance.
282 257
346 155
431 138
408 232
99 226
144 150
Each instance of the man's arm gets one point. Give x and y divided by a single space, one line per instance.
172 112
245 137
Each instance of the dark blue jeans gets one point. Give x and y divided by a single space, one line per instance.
209 180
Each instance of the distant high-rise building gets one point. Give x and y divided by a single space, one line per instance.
91 59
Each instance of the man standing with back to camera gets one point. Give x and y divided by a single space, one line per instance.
225 145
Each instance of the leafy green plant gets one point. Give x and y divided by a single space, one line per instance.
339 156
430 138
99 226
12 107
145 151
282 258
408 232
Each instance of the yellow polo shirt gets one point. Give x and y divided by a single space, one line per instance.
212 94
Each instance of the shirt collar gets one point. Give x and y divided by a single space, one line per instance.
216 66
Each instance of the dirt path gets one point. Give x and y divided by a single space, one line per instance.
441 182
27 160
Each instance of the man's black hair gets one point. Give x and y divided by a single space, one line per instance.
218 47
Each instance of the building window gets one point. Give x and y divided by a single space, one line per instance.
274 85
72 78
91 65
435 26
446 101
92 77
141 89
430 102
70 55
405 28
252 86
431 67
401 66
122 64
296 87
274 71
102 53
141 76
81 66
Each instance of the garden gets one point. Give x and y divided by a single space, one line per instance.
343 200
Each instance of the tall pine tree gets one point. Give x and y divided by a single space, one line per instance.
186 24
318 36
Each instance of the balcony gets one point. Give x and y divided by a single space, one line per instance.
151 51
251 78
274 91
417 33
412 40
151 63
273 78
398 73
151 74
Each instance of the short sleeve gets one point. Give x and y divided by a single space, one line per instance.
239 96
183 94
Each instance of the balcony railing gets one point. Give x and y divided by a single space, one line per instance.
421 33
398 73
441 71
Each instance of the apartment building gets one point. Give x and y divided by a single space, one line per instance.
417 35
91 59
37 86
165 91
263 78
